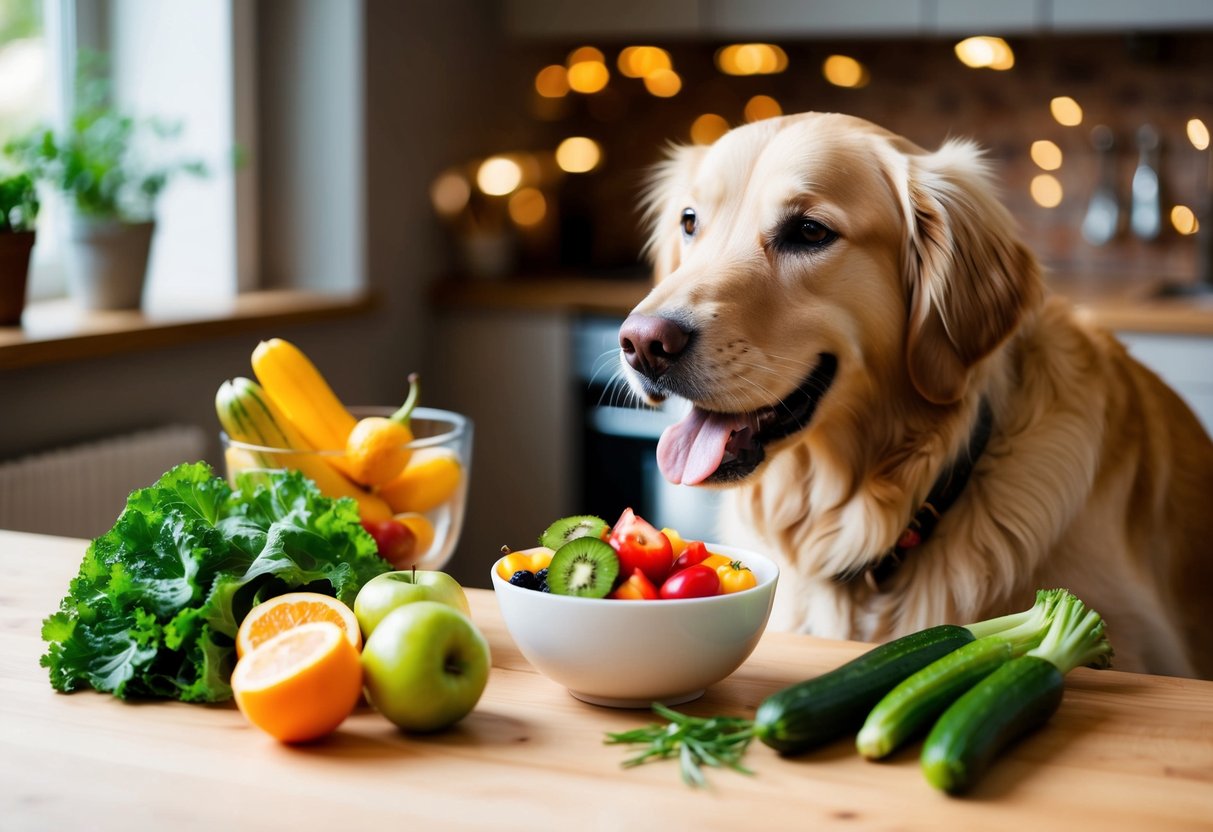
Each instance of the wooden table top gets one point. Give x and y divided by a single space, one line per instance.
1125 751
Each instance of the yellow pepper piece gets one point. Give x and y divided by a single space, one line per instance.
431 478
676 542
526 560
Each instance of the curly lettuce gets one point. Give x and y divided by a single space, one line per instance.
155 607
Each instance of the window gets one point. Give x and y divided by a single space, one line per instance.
171 61
31 93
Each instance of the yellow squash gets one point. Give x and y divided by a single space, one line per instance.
294 384
429 480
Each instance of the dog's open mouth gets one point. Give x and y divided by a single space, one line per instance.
706 447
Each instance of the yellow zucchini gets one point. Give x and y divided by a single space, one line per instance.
251 417
294 384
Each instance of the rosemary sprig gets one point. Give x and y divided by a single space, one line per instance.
696 741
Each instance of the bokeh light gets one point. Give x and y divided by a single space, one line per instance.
708 128
1198 134
450 193
751 59
762 106
578 154
588 76
664 83
1046 154
498 176
528 207
643 61
985 52
1046 190
1066 111
845 71
585 54
1183 219
552 81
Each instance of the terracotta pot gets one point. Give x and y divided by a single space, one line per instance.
15 249
107 261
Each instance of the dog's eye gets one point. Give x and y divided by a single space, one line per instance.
813 233
688 222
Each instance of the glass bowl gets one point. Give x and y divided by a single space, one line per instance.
437 515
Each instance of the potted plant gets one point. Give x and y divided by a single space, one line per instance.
18 211
99 162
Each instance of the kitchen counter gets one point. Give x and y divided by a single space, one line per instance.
1124 752
1114 303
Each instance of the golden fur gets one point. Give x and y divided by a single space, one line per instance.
1096 476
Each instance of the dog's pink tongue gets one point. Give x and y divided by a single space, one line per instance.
689 451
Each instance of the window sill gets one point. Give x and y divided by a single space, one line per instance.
58 331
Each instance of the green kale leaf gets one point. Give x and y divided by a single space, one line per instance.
158 599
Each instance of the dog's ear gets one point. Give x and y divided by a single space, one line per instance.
668 183
970 277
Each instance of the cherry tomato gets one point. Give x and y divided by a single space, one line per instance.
735 576
694 552
696 581
395 541
636 588
640 546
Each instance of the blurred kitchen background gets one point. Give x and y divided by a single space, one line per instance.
451 187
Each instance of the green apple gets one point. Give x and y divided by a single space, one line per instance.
384 593
425 666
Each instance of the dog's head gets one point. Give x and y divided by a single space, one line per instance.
813 263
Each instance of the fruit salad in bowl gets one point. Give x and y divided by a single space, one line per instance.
625 615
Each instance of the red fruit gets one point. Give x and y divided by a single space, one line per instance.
696 581
694 553
640 546
395 541
636 588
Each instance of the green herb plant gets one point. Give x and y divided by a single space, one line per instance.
100 160
18 203
156 605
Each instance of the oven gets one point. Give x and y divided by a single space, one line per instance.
617 442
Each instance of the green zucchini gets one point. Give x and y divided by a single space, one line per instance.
1012 701
927 693
834 704
922 697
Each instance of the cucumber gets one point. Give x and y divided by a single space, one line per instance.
834 704
1015 699
927 693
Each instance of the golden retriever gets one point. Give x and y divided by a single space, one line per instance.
855 321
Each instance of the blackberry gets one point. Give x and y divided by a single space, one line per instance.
542 576
523 578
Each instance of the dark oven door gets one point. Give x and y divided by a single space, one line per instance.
618 442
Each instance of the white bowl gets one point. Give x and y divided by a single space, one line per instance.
629 654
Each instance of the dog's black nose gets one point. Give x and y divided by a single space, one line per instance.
651 344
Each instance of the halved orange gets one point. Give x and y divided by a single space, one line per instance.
300 684
279 614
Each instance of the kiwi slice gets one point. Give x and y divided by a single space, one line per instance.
571 528
584 566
